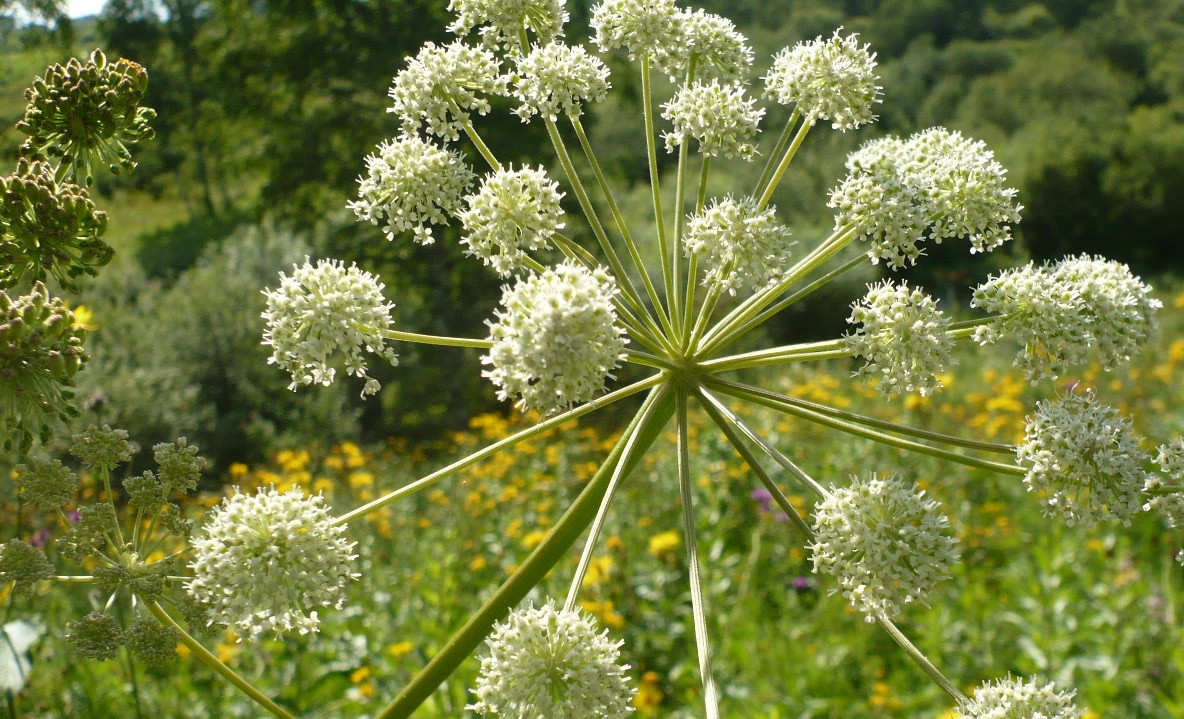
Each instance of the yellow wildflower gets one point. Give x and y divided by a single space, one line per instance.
664 543
399 649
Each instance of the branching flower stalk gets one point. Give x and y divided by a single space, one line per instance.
562 333
729 266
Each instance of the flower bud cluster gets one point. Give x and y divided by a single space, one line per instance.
885 542
738 246
1165 491
48 227
41 350
1084 459
718 116
45 483
718 50
264 560
442 86
1017 699
556 339
902 336
101 448
24 565
411 184
1066 314
642 27
548 662
832 80
936 185
95 636
152 642
323 312
82 110
558 78
503 21
513 213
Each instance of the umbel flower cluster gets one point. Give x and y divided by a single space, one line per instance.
725 265
585 296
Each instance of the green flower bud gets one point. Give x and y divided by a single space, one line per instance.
46 483
179 466
102 447
153 642
95 636
24 565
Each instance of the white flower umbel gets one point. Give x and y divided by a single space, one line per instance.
832 80
502 21
556 339
265 561
1016 699
719 51
411 184
642 27
1166 491
558 78
1065 315
1085 459
442 86
514 212
719 116
885 542
937 184
902 336
324 314
966 188
739 246
546 662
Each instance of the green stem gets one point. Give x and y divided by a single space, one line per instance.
778 148
645 413
471 133
698 610
777 402
647 102
796 297
436 340
727 329
675 259
777 355
922 661
206 657
701 199
565 532
775 180
614 261
630 245
724 413
787 508
498 446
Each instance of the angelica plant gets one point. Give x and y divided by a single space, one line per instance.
725 266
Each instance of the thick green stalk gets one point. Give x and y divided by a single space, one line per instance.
206 657
496 447
777 355
436 340
471 133
778 149
777 402
698 608
922 661
618 473
529 574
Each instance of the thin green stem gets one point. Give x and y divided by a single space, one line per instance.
922 661
471 133
698 610
431 339
727 329
677 309
565 532
647 102
798 296
606 246
701 198
648 360
727 423
647 409
777 402
716 406
777 355
206 657
787 158
778 148
499 446
622 226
